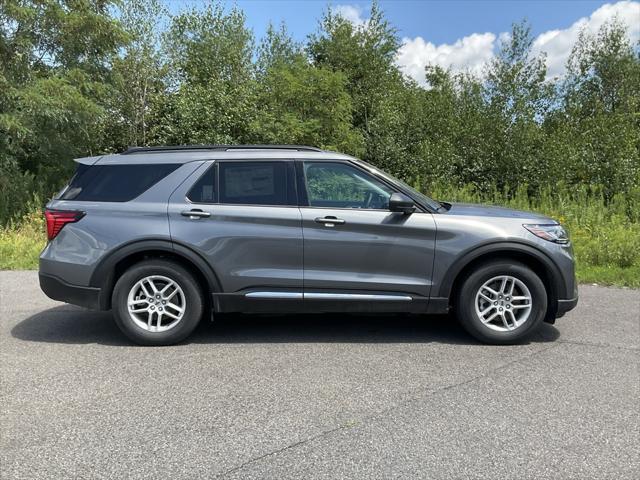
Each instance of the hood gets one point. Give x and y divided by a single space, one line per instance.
477 210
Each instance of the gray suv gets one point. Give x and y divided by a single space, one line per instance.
162 235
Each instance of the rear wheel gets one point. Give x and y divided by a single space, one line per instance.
157 302
501 302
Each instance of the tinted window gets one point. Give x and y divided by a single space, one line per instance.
114 183
339 185
256 183
204 189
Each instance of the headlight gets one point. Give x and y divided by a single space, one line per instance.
554 233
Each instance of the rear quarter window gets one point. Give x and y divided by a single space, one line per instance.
114 183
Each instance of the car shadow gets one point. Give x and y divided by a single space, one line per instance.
74 325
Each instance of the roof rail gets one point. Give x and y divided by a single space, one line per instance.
221 148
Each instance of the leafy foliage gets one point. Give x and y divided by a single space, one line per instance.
84 77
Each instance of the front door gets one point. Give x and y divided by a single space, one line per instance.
243 218
358 255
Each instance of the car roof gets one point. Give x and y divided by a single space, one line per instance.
185 154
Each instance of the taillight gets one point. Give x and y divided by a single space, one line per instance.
56 219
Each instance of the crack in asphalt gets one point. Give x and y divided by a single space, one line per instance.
599 345
369 418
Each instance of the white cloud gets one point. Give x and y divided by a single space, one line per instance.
466 54
351 13
558 43
471 53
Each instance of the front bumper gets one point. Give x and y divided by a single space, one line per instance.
57 289
565 305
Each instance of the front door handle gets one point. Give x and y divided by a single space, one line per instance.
330 221
195 214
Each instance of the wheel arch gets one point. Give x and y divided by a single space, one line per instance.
530 256
110 268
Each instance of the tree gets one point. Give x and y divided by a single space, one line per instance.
55 60
137 75
210 78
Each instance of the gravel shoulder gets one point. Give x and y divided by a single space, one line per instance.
317 396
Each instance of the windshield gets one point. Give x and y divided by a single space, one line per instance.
421 197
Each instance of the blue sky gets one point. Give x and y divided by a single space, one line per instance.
438 21
458 34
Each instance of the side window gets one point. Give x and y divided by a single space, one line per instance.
257 183
203 191
337 185
114 183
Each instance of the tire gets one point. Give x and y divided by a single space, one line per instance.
526 315
174 325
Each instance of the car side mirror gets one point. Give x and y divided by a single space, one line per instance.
399 202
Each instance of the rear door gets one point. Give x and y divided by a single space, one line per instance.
358 255
243 218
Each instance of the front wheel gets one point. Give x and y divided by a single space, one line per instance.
501 302
157 302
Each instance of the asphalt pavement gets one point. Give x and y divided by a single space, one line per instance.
326 396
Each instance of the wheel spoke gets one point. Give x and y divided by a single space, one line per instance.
149 319
518 307
172 315
144 289
158 322
513 319
175 307
171 295
503 285
152 285
490 290
495 314
504 321
486 298
166 287
487 310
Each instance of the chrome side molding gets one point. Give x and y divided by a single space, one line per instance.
329 296
275 295
356 296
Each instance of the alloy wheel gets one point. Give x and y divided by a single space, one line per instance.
156 303
503 303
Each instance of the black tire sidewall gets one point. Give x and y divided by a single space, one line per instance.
465 305
177 273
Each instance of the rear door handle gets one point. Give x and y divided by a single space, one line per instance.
195 214
330 221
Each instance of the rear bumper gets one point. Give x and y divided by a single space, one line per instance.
57 289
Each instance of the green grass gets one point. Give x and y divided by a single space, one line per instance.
605 234
21 242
